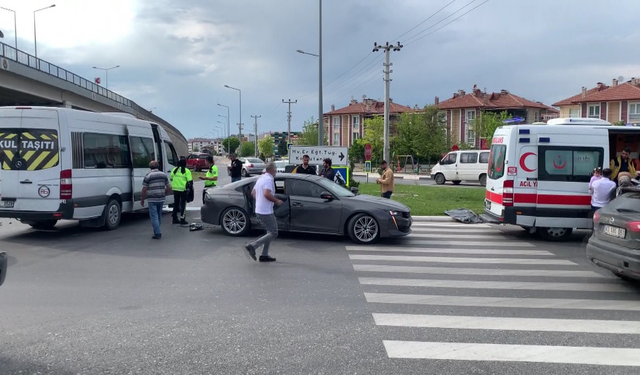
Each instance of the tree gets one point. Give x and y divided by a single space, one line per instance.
422 135
265 146
247 149
356 151
374 134
233 142
487 123
309 135
283 150
196 149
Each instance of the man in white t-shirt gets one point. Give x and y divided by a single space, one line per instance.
264 195
603 190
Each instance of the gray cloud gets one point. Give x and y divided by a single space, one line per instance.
181 54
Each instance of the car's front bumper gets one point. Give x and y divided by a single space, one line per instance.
397 226
614 258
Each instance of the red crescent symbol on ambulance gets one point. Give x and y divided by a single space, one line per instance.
556 166
499 168
523 162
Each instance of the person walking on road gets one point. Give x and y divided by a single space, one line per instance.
235 169
180 177
211 179
327 171
603 189
386 181
155 188
264 195
305 168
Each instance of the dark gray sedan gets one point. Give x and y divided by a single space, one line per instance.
312 204
615 242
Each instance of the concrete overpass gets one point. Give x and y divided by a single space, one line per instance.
26 80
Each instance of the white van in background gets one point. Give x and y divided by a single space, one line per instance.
60 163
457 166
538 175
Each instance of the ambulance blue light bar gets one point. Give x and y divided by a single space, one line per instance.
578 121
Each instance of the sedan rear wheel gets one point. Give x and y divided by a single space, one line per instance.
235 222
364 229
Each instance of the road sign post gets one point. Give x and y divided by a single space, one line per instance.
367 168
342 175
317 154
367 152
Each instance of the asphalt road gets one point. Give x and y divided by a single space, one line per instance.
86 301
423 182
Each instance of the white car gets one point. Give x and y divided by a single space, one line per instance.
280 165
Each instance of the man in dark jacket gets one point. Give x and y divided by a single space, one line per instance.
305 168
327 170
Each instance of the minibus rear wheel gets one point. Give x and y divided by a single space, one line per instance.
555 234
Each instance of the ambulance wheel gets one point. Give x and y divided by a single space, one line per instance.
555 234
456 182
112 214
44 224
483 180
440 180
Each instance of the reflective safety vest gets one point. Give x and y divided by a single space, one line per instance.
179 180
212 172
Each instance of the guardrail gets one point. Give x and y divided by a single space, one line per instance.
46 67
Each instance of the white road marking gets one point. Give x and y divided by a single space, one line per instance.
448 251
470 243
507 285
401 258
503 302
508 324
449 225
453 235
513 353
475 271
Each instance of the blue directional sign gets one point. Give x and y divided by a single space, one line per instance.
367 166
289 146
342 175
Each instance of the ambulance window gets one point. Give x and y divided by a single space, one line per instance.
484 157
568 163
28 149
142 150
105 151
496 161
469 157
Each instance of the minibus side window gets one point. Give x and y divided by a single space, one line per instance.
469 157
496 161
484 157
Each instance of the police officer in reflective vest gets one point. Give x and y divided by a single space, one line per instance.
211 179
180 177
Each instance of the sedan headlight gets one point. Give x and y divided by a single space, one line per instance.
395 213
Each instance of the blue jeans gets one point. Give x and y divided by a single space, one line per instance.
235 179
155 213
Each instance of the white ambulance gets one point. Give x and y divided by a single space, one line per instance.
60 163
538 175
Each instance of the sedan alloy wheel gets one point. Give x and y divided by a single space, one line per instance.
235 222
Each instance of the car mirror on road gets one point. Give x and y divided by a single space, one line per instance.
3 267
326 196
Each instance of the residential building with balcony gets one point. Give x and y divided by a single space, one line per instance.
345 125
619 102
459 111
200 144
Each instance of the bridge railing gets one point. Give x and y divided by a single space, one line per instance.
23 58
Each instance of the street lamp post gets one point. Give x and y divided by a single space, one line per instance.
15 28
106 70
228 128
240 122
35 39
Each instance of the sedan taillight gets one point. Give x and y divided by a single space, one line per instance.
634 226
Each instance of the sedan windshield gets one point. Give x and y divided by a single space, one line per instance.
335 189
254 160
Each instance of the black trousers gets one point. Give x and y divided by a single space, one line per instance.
179 204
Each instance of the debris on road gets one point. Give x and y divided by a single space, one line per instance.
464 215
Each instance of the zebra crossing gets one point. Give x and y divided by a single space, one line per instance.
462 292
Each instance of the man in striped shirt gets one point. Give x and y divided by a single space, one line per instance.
155 188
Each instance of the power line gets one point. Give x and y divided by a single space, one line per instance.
448 23
430 17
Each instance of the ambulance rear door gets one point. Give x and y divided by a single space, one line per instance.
526 177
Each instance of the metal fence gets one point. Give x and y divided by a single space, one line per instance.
23 58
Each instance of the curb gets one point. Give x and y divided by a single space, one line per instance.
403 177
442 219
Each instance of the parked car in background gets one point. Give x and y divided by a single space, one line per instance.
311 204
251 166
197 161
615 242
458 166
280 166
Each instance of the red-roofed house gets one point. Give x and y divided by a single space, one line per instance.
344 125
460 110
618 102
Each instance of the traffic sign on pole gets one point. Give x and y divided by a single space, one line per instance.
367 166
367 151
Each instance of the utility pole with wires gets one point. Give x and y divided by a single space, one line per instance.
289 118
240 126
255 129
387 80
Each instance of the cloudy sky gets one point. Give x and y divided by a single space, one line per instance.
176 56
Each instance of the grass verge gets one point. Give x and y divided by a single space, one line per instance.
432 200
